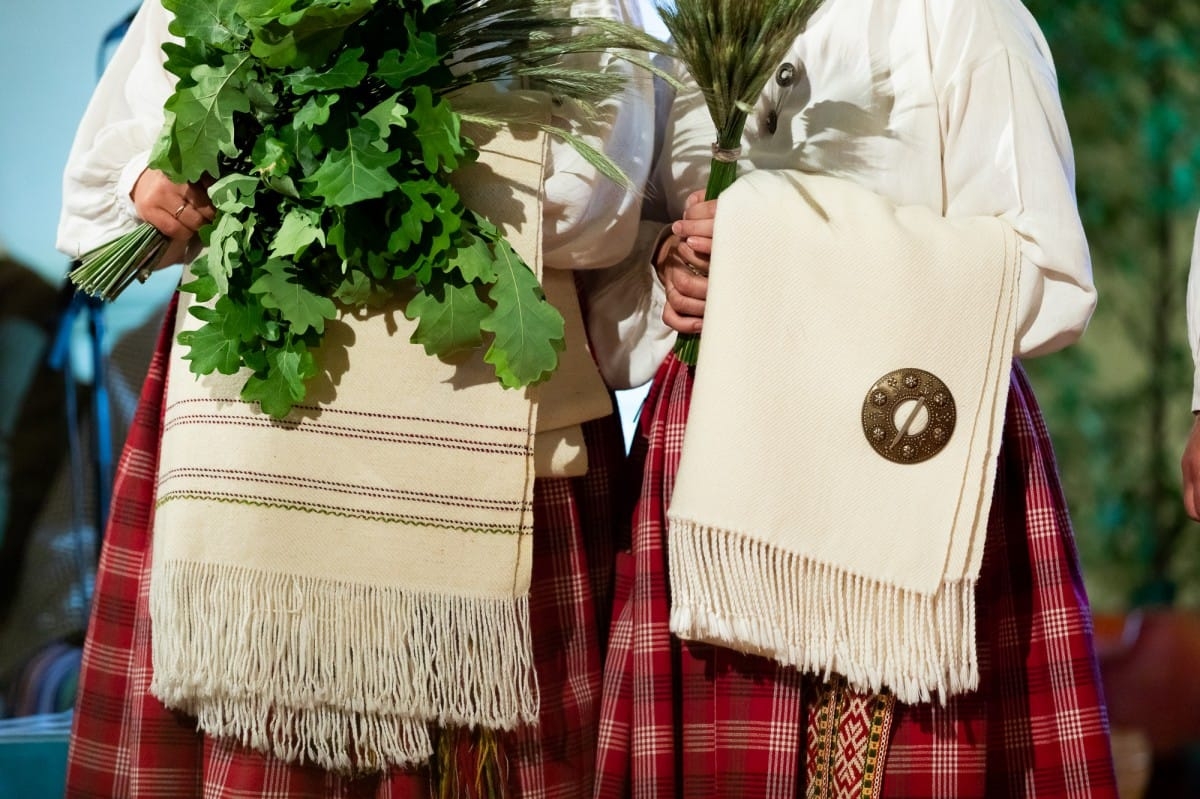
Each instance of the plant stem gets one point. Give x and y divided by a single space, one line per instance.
107 270
720 177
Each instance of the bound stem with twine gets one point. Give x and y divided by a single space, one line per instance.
731 48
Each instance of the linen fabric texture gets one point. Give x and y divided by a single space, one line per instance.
765 555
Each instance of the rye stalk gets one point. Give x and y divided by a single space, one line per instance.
731 48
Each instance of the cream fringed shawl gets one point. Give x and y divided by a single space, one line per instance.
789 535
325 587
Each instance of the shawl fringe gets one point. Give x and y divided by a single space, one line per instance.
314 670
820 618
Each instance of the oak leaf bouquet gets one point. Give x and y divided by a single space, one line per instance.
731 48
329 130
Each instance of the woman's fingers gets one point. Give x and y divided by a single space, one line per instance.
178 211
194 209
180 221
189 218
701 210
684 265
696 227
689 282
700 246
197 198
1190 463
681 313
694 240
687 290
687 252
681 324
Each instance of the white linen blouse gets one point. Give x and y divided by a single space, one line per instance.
947 104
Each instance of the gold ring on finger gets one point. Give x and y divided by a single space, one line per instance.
179 210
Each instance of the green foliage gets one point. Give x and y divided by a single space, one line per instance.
358 172
328 132
528 333
1118 402
450 317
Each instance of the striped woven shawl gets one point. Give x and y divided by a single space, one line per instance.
326 586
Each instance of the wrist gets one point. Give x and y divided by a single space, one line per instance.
126 183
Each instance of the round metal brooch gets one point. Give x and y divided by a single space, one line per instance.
908 416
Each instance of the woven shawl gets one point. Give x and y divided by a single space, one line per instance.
325 587
790 536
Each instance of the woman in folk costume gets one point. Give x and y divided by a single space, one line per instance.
854 573
275 613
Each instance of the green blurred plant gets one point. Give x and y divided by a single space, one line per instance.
1118 402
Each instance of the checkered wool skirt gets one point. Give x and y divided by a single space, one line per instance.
692 720
126 745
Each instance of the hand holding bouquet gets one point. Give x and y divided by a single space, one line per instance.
326 132
731 48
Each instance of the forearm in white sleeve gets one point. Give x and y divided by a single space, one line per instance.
1008 154
624 315
590 221
113 142
1193 316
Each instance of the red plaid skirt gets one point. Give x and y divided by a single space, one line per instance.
691 720
126 744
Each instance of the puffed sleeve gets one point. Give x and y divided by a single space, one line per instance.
1008 154
1193 316
113 142
625 302
590 221
625 305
